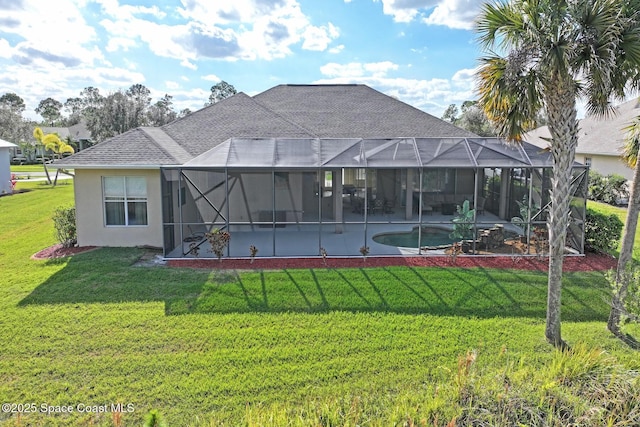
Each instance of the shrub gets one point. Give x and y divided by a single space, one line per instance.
602 232
608 189
64 222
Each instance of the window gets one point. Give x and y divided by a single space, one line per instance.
125 200
587 161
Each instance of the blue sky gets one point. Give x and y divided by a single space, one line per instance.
420 51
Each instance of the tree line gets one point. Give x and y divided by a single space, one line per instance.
105 115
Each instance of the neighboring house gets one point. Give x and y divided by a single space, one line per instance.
6 184
600 140
78 134
303 167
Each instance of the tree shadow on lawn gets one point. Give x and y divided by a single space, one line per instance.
109 276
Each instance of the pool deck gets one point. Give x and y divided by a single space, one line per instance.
304 240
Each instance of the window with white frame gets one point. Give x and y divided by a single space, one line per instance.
125 200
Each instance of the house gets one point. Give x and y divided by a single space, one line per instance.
302 167
6 183
77 135
600 140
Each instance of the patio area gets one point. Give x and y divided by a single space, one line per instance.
306 239
290 198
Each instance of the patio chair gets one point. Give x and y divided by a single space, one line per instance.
378 205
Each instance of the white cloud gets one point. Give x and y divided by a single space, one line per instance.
123 12
459 14
37 83
211 78
380 69
432 95
119 43
405 10
5 49
319 38
336 49
54 31
171 85
263 29
357 69
188 64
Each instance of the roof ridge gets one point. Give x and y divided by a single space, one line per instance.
166 143
286 119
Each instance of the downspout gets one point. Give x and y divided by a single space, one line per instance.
228 218
180 211
421 175
319 189
273 210
530 182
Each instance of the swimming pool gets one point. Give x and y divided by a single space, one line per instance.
432 238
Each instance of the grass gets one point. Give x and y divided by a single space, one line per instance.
27 168
368 346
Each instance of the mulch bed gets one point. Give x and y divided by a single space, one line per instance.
57 251
589 262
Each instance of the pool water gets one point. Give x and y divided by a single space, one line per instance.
432 237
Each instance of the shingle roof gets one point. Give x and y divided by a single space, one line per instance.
603 136
285 111
136 147
236 116
353 111
77 132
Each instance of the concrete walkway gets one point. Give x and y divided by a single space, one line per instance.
38 176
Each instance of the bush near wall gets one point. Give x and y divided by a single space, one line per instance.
602 232
64 222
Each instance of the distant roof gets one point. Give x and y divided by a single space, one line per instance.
77 132
7 144
596 135
285 111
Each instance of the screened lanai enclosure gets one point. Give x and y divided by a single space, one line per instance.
293 197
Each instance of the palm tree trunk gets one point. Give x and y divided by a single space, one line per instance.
626 253
561 111
46 171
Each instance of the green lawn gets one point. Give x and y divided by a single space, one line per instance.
27 168
368 346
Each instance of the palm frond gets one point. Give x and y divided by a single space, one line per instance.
65 148
631 142
38 134
510 102
497 23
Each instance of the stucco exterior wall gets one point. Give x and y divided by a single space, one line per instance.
90 214
607 165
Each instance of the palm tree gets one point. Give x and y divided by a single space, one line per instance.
51 141
556 52
630 156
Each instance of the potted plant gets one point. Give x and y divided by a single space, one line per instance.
253 251
219 240
364 250
523 220
463 225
